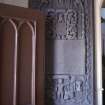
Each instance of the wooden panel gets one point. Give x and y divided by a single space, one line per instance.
7 45
23 56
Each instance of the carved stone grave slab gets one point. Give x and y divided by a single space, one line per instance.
69 51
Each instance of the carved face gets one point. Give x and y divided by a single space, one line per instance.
60 81
60 17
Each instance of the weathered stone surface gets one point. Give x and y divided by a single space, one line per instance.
66 57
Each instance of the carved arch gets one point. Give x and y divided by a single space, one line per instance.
29 25
13 38
31 37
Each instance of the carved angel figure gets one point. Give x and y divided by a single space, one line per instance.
60 89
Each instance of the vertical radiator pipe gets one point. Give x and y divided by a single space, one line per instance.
98 53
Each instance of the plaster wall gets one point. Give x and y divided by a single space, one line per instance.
21 3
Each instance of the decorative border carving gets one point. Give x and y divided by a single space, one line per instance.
89 54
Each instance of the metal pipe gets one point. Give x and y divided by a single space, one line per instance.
98 53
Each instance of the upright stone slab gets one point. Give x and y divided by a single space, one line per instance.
69 51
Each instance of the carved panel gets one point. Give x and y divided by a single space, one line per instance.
65 89
68 21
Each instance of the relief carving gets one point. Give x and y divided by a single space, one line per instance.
65 88
64 25
71 24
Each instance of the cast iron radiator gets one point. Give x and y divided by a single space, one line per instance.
69 51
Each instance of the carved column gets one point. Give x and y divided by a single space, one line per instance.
98 52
